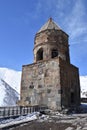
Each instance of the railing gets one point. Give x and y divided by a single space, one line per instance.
7 112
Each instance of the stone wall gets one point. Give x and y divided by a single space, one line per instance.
41 84
70 85
53 83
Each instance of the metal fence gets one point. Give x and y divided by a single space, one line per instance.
7 112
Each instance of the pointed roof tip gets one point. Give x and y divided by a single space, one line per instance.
50 24
50 19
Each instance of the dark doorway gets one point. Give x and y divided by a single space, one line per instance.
40 54
54 53
72 97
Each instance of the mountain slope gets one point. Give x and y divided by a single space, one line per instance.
8 96
12 77
9 86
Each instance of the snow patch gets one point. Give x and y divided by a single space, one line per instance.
83 84
21 119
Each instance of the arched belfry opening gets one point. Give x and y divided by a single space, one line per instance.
54 53
39 54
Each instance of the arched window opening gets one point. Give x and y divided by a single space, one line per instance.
54 53
40 54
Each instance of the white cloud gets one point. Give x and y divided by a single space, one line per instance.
76 22
52 8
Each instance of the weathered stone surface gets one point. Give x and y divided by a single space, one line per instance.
45 83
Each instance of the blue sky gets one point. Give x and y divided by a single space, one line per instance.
21 19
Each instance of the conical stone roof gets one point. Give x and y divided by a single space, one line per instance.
50 24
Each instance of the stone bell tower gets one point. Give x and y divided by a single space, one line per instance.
51 80
51 42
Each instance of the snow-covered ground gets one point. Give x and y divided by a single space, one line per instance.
21 119
71 122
